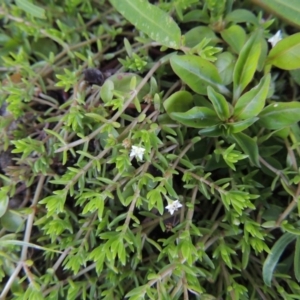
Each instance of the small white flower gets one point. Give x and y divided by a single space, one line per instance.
275 38
173 205
137 151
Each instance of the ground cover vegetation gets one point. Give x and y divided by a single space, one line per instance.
149 149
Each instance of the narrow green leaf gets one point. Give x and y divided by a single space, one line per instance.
128 47
289 227
32 9
269 224
197 117
273 258
139 292
122 253
212 131
252 102
152 276
241 125
263 55
197 73
297 259
150 19
60 138
248 145
168 130
96 117
155 244
289 11
4 242
219 102
286 53
280 115
246 64
116 220
246 255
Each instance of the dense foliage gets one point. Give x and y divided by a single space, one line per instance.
149 149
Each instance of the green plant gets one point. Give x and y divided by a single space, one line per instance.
171 174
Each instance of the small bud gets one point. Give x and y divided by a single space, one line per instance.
126 143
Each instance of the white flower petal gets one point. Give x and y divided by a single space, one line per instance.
275 38
173 206
137 152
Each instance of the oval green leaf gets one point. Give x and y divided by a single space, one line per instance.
252 102
286 53
121 83
107 91
194 36
12 221
44 46
246 64
235 37
3 205
200 100
150 19
280 115
273 258
196 15
225 64
180 101
220 103
197 73
4 199
197 117
241 16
